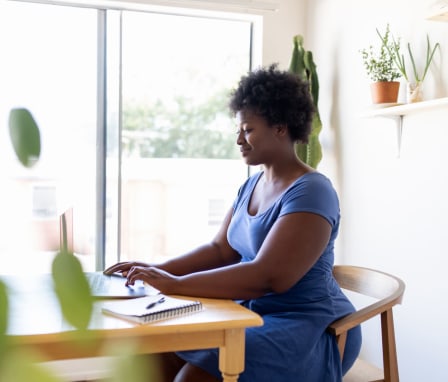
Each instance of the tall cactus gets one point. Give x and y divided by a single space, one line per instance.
302 64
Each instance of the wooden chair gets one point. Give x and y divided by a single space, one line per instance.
388 291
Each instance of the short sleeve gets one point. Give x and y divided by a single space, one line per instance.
314 193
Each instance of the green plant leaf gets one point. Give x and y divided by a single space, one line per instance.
72 289
312 77
131 367
302 64
314 154
297 64
4 305
25 136
302 151
385 63
20 366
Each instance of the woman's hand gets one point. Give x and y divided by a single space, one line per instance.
163 281
124 267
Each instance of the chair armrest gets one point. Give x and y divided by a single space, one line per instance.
356 318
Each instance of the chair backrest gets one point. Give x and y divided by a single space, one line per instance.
388 291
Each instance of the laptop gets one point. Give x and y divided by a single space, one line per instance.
105 287
101 286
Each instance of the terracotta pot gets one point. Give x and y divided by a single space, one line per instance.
385 92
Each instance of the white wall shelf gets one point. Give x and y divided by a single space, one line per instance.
439 11
398 111
405 109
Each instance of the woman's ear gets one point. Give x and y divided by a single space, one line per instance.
281 129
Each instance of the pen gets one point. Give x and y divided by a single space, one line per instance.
153 304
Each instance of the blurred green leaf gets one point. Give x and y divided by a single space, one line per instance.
25 136
19 366
128 365
135 368
72 289
128 368
4 305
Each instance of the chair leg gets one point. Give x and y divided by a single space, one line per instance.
390 361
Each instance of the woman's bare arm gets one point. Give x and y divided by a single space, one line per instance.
215 254
293 245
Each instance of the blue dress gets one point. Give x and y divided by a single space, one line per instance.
292 345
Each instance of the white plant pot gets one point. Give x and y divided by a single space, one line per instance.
414 92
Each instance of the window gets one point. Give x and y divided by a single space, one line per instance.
171 164
178 150
48 67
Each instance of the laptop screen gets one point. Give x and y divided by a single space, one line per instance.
66 230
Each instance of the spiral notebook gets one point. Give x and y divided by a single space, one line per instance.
151 308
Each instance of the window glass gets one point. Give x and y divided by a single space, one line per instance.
181 167
48 66
173 167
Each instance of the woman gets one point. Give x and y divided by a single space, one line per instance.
274 250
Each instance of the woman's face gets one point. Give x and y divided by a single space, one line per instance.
257 140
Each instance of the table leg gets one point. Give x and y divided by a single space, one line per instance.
231 355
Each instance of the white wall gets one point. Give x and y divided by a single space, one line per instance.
279 28
394 208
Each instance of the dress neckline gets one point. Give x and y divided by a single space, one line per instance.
277 199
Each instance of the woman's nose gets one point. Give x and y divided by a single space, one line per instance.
240 138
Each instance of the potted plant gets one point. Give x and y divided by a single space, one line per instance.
381 68
414 88
302 64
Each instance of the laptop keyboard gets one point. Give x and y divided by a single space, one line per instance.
98 283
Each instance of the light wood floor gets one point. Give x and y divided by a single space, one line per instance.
363 371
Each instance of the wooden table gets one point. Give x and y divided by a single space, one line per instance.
36 323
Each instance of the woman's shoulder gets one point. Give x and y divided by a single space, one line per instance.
312 192
250 183
314 179
316 176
